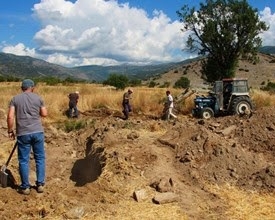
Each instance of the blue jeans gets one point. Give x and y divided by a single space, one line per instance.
73 112
26 143
126 109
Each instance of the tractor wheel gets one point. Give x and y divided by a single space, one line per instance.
207 113
241 105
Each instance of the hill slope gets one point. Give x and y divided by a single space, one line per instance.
257 74
25 66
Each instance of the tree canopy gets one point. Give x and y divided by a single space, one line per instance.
224 31
183 82
117 80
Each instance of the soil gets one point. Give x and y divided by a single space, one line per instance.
143 168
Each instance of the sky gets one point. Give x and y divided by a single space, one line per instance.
104 32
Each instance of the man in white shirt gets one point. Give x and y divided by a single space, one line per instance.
169 105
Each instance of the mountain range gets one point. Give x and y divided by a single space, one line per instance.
28 67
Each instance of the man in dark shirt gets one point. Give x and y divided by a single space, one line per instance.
126 103
73 99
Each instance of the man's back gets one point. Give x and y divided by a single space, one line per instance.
27 109
73 98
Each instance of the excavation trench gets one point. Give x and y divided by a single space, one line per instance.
88 169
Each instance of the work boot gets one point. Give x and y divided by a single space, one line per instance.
23 191
40 189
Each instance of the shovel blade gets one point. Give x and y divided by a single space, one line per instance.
3 178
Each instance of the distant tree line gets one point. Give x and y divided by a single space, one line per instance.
119 81
49 80
5 78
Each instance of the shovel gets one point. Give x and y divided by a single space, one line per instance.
3 173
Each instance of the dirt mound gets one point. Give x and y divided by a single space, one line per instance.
230 149
144 168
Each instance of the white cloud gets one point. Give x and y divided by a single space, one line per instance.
268 37
99 61
61 59
107 33
19 50
94 30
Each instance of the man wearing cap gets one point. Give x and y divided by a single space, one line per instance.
126 103
26 109
73 100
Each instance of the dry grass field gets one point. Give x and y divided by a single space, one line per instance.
92 96
93 171
147 101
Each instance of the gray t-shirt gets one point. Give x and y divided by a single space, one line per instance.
27 111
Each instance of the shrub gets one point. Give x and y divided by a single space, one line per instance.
117 80
135 82
49 80
5 78
165 85
183 82
269 87
152 84
71 125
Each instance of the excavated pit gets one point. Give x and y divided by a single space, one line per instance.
88 169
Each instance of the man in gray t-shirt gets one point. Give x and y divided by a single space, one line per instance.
26 109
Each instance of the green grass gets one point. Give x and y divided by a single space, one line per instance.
74 124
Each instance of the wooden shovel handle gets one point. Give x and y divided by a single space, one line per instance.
13 149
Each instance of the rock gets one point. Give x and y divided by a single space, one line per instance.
140 195
270 170
167 197
196 137
227 131
75 213
215 125
165 185
133 135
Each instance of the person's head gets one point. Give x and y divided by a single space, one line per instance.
168 92
27 84
130 91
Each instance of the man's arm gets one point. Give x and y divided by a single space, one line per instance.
43 111
127 96
10 121
10 118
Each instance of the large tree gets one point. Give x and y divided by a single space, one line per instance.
224 31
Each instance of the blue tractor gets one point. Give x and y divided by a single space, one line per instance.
228 97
